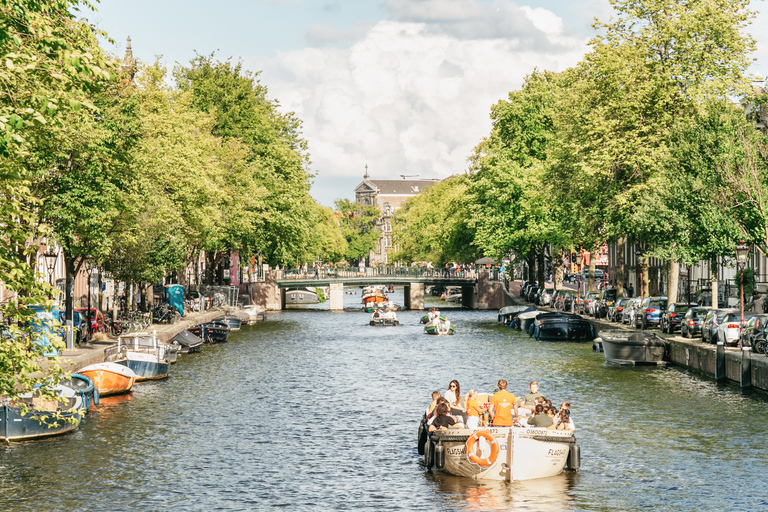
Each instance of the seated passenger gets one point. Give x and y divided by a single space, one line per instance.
564 421
474 408
453 395
528 401
376 313
539 418
442 420
435 396
431 416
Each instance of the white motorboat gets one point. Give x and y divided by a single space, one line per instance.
500 453
144 354
254 312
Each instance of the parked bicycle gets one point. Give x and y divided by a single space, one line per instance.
165 313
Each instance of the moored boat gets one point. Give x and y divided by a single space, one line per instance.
215 331
83 386
563 327
524 321
499 453
506 314
45 417
302 296
233 321
188 342
144 354
110 378
255 313
624 347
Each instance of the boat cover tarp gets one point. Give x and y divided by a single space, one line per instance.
186 339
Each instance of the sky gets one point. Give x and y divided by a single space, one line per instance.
402 86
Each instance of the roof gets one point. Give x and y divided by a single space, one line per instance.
399 187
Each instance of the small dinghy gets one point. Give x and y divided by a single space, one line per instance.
254 312
562 327
215 331
442 328
626 347
188 342
85 387
45 417
233 321
110 378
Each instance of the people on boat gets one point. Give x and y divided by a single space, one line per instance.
528 401
435 397
442 420
376 314
453 395
563 421
502 404
540 418
474 409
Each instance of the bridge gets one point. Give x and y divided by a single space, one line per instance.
481 289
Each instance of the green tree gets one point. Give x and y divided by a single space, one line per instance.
358 226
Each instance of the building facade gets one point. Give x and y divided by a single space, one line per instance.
387 196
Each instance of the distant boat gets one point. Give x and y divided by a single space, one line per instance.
188 342
442 328
233 321
110 378
255 313
215 331
45 417
144 354
625 347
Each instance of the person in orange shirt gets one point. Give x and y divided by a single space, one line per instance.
474 408
502 404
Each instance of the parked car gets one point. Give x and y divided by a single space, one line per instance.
729 329
615 310
753 334
628 313
558 300
96 318
590 301
531 293
545 297
606 299
523 286
711 323
691 324
673 316
649 312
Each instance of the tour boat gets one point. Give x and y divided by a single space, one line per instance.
110 378
215 331
625 347
560 326
188 342
45 417
374 296
499 453
144 354
442 328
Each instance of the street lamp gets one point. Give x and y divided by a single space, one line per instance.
742 254
579 260
90 266
51 257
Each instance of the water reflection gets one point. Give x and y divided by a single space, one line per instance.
551 494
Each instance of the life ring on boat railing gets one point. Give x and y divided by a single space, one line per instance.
473 439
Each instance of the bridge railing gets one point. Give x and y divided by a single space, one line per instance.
381 271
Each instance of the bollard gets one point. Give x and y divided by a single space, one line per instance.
720 361
746 367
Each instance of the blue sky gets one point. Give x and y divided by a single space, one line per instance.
404 86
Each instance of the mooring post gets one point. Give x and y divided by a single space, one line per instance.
746 367
720 361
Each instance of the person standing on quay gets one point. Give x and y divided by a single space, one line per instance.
502 404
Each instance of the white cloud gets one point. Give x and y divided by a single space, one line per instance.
412 97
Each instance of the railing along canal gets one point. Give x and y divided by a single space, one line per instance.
388 272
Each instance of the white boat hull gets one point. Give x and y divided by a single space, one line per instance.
524 453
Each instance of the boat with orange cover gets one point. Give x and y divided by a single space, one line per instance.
110 378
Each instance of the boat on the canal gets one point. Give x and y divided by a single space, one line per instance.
442 327
45 417
110 378
524 321
254 312
215 331
385 319
499 453
425 319
233 321
188 342
627 347
507 314
144 354
83 386
561 326
374 297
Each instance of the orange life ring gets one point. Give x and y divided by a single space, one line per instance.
474 438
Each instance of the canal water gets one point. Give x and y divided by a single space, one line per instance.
313 410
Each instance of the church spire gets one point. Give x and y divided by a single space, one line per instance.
365 176
129 63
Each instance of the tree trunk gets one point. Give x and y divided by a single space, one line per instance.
646 278
541 269
69 272
713 281
557 269
621 246
674 277
531 265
